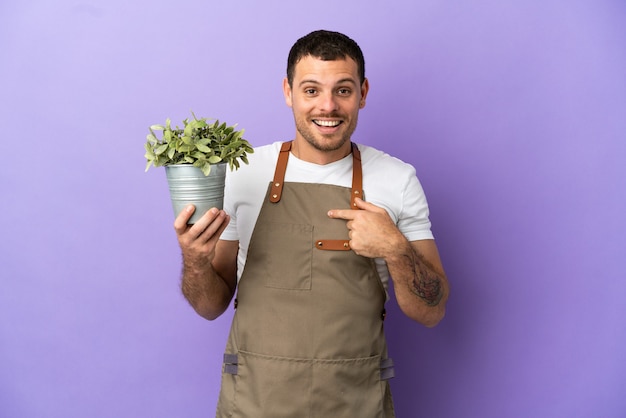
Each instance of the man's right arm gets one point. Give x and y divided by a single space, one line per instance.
209 264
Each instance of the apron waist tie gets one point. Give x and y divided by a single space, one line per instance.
386 369
230 363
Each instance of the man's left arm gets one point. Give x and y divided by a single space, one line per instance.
419 281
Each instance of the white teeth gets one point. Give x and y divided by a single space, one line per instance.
327 123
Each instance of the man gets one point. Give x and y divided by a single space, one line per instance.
311 253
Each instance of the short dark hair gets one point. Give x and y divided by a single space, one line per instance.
327 46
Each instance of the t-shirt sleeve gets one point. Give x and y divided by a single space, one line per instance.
414 219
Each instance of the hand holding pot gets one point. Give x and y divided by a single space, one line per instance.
198 241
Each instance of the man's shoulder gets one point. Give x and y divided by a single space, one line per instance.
381 161
260 162
267 149
262 155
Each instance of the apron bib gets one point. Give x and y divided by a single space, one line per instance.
307 337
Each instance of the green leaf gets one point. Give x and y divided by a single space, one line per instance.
157 127
214 159
204 148
206 169
160 149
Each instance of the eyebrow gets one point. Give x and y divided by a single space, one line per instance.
342 81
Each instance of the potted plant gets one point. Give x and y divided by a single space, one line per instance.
195 159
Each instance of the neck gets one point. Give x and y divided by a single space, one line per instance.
306 152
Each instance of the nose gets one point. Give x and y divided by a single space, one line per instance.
328 102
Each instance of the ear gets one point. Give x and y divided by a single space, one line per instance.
287 92
365 87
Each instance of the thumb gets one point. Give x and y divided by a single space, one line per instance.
369 207
362 204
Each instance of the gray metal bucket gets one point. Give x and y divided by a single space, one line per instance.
189 185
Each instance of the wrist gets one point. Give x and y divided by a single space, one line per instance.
399 249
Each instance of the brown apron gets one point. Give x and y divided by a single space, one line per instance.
307 337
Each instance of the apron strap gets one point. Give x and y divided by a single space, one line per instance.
281 168
357 176
279 174
333 244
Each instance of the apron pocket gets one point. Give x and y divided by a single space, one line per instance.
271 387
292 272
347 388
276 387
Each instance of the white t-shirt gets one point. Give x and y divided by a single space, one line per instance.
387 182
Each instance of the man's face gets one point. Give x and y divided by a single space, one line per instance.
325 98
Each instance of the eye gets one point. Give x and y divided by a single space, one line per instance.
344 91
310 91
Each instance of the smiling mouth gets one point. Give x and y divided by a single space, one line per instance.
327 123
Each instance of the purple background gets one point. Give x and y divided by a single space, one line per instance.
513 113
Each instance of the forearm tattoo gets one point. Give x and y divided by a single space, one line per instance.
425 282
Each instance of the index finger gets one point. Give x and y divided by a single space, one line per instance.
346 214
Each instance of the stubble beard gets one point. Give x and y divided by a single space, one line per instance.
326 146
